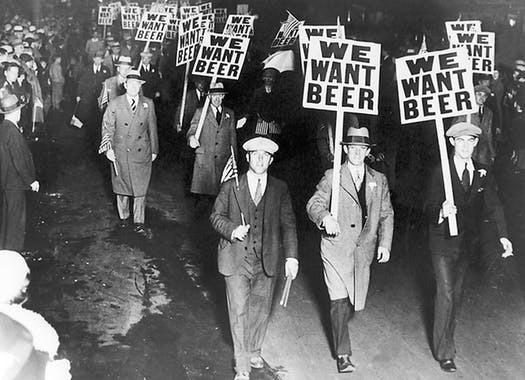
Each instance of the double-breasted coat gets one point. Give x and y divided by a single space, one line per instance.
134 139
347 257
214 150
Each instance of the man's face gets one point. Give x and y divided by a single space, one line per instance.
123 70
133 87
259 161
146 60
356 153
464 146
200 84
216 99
268 78
481 97
11 74
18 49
115 50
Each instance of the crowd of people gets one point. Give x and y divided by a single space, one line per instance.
128 99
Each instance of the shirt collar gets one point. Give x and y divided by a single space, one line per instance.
253 177
459 163
136 98
356 169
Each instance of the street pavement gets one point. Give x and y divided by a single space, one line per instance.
130 308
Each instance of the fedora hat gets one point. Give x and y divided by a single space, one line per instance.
146 53
124 61
217 88
357 136
135 74
10 103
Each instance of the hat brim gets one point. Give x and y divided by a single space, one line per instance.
12 110
217 92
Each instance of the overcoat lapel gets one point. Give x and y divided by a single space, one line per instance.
347 183
369 188
269 195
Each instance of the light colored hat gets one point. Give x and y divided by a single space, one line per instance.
18 28
32 28
463 129
135 75
124 60
8 27
8 49
356 136
260 143
217 88
146 53
13 273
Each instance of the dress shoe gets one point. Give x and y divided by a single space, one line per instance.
242 376
448 365
143 231
257 362
344 364
123 223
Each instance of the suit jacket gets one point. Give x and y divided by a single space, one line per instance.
17 171
153 81
113 88
485 151
472 206
134 139
214 150
347 257
279 228
110 63
89 86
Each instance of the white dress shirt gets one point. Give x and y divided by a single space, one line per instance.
252 182
136 98
358 172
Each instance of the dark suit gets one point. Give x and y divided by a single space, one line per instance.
250 266
450 255
153 81
17 173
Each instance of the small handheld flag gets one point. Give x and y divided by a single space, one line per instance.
230 170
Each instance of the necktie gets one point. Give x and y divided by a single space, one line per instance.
465 178
218 116
133 105
258 193
358 180
480 112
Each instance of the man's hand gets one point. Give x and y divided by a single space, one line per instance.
241 122
178 127
507 246
448 209
78 99
157 94
110 154
383 255
35 186
240 232
291 267
153 156
331 226
194 143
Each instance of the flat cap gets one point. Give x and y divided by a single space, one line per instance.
463 129
260 143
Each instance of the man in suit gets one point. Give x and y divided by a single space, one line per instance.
348 244
213 148
111 60
114 86
17 174
254 220
130 126
151 75
475 197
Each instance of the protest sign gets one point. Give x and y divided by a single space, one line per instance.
480 47
306 31
152 27
434 84
342 75
288 32
239 25
208 22
172 28
205 8
190 35
186 12
221 56
130 17
115 9
221 14
105 17
462 26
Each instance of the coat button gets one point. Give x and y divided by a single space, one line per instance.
139 137
246 248
127 150
140 149
126 124
352 225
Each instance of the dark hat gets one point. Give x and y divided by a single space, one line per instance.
482 88
217 88
260 143
24 57
463 129
10 103
356 136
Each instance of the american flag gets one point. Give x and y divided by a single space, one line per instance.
103 98
289 25
230 170
105 144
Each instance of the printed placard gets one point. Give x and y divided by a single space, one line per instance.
105 15
307 31
189 37
206 8
221 56
462 26
130 17
480 47
221 15
115 9
172 28
152 27
239 25
288 32
187 12
208 22
342 75
435 85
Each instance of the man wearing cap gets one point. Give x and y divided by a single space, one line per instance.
130 124
114 86
213 148
17 174
475 197
485 152
255 219
348 244
151 75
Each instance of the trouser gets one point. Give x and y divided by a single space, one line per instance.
12 229
340 313
450 273
249 303
139 208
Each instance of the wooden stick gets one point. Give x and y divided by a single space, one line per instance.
115 167
243 219
184 92
336 180
146 47
204 111
286 291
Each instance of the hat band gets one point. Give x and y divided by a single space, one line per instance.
137 77
11 107
357 140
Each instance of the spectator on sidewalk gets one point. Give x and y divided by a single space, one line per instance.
254 219
348 244
57 82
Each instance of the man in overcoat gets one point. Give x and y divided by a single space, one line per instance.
254 219
130 125
348 245
114 86
17 174
475 197
213 148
